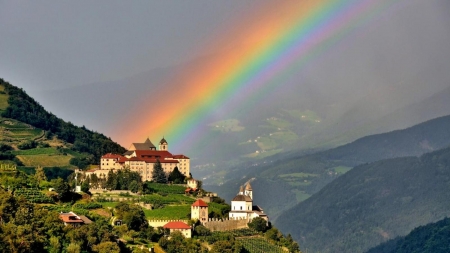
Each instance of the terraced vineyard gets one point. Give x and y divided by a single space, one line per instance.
259 245
33 195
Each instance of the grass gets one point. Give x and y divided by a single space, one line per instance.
298 175
109 204
45 160
169 199
37 151
169 212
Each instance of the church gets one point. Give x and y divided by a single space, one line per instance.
242 205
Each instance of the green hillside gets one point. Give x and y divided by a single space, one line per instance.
431 238
372 203
297 176
30 136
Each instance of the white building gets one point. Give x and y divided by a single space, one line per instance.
242 205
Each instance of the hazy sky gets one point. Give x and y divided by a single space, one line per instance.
54 44
47 46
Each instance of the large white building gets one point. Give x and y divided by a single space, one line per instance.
141 157
242 205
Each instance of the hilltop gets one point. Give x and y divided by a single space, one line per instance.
372 203
297 176
31 136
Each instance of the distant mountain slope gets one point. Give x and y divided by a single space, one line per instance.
372 203
26 112
296 177
431 238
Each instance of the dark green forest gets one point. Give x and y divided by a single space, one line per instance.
373 203
25 109
431 238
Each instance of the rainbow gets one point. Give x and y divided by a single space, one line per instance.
280 37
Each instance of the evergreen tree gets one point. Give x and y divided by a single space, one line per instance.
158 174
176 176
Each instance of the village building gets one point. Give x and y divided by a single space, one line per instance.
141 157
242 205
179 226
73 219
199 211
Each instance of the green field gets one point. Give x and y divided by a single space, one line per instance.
167 200
37 151
257 245
297 175
45 160
169 212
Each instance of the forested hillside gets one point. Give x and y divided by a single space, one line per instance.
373 203
25 109
296 177
431 238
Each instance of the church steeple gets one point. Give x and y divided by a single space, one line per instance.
163 145
249 190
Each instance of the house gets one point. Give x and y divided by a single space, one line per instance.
179 226
73 219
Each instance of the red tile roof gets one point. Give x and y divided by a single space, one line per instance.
70 218
176 225
153 153
111 155
200 203
152 160
180 157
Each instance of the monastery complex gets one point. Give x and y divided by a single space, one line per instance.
140 158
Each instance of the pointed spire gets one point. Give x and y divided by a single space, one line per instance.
248 187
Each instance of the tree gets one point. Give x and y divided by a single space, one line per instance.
85 186
158 174
131 215
40 175
258 224
62 188
133 187
222 247
73 248
106 247
176 176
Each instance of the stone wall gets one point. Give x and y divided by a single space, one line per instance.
225 224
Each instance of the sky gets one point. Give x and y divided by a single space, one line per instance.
56 44
75 57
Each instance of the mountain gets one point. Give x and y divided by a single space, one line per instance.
296 176
372 203
431 238
31 136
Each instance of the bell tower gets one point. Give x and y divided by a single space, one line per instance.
163 145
